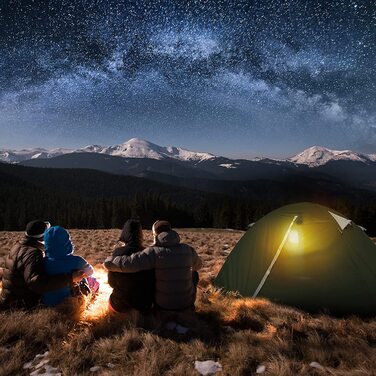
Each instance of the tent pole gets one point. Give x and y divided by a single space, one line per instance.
266 275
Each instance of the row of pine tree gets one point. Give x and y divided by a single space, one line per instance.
19 205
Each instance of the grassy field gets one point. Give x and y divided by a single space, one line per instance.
241 334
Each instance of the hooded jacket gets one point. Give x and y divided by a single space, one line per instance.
173 263
60 259
24 276
134 290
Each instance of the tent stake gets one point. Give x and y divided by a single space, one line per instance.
266 275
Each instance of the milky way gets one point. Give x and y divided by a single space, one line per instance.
233 77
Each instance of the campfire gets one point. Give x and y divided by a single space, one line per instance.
99 307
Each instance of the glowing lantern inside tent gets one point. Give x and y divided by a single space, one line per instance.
294 237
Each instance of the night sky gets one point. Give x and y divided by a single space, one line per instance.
236 78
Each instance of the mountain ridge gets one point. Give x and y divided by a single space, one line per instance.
133 148
318 155
313 156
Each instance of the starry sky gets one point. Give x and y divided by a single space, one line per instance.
236 78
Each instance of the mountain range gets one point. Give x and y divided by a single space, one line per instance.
133 148
200 170
196 189
138 148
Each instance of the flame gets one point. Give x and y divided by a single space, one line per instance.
99 307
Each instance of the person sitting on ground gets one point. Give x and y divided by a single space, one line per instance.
133 290
59 260
173 263
24 277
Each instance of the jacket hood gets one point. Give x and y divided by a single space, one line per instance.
167 239
132 232
57 242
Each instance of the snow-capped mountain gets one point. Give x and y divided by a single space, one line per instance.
316 156
137 148
134 148
14 156
92 149
168 164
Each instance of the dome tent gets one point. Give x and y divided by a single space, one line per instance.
308 256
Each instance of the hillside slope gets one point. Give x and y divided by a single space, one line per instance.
86 198
242 335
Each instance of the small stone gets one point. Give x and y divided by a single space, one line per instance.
95 369
316 365
207 367
260 369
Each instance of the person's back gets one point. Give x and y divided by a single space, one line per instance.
24 278
16 292
173 263
60 259
133 290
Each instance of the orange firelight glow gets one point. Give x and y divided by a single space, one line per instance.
99 307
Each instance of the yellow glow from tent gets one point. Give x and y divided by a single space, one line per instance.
294 237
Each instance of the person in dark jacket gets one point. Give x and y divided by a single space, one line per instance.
24 278
133 290
173 263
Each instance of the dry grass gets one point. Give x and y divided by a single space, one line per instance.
240 334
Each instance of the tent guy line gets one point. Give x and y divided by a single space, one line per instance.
279 250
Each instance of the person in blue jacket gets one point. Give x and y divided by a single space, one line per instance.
59 259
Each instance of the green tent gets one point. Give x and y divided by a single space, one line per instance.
308 256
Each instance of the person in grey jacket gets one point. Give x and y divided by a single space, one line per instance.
173 262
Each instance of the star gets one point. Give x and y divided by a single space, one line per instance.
281 73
